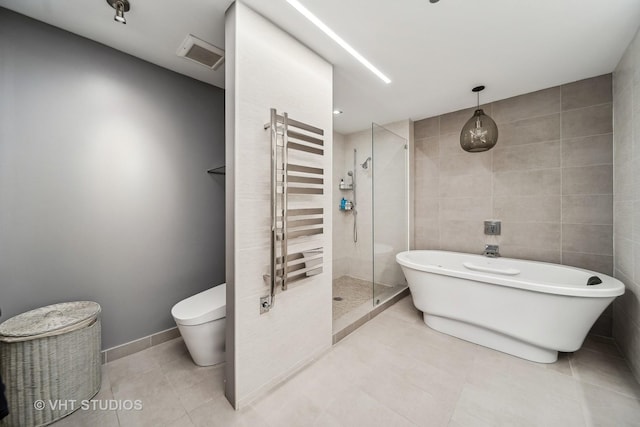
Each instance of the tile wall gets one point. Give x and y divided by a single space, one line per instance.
626 206
549 180
270 69
342 221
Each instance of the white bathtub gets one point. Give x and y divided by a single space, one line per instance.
525 308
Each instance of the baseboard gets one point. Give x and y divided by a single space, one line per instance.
127 349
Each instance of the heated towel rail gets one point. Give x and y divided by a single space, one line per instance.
296 211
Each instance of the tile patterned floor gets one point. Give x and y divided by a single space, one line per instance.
353 293
356 299
393 371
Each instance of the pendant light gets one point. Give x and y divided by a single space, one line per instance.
480 133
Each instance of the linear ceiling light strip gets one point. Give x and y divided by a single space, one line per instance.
346 46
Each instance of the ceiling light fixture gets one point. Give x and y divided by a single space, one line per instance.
480 133
337 112
121 6
336 38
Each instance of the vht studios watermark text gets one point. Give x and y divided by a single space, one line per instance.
88 405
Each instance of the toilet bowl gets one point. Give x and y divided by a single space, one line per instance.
201 322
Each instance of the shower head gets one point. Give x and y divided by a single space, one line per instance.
365 165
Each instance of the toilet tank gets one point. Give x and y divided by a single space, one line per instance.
203 307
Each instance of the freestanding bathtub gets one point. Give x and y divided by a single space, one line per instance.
525 308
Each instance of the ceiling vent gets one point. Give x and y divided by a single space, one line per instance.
201 52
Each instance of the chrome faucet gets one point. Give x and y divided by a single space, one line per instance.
491 251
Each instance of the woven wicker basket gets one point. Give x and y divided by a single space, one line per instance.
60 365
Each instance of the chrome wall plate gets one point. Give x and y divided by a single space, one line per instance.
492 228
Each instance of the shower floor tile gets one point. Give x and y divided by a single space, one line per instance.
352 293
352 299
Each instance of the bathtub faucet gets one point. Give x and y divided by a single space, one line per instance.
491 251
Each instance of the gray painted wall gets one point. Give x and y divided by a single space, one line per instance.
104 193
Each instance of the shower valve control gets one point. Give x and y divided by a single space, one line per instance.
492 228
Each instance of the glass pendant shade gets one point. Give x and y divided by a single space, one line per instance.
479 134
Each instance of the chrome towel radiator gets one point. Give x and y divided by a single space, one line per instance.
296 211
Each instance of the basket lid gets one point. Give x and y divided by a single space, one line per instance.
50 318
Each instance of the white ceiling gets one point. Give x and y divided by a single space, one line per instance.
433 53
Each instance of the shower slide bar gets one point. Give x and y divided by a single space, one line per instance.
290 180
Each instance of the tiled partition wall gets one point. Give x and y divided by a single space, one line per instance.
267 68
626 111
549 180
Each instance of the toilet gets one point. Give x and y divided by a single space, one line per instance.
201 322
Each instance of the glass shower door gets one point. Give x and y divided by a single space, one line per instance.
390 211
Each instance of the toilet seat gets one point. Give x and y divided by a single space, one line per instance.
201 308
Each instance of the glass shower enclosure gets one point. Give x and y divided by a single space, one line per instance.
371 225
390 222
